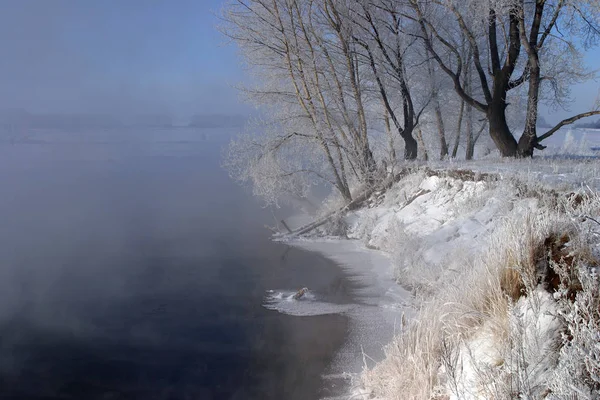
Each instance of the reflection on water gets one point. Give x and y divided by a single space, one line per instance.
132 268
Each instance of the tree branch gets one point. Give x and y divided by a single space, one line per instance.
455 76
551 25
567 121
493 40
520 80
476 55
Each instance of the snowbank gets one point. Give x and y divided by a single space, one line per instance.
502 273
381 305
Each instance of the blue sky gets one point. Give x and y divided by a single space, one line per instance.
135 56
116 56
584 96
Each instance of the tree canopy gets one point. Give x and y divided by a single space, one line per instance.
342 82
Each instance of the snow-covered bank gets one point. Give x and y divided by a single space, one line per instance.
381 305
504 273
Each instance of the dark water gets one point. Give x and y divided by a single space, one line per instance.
131 267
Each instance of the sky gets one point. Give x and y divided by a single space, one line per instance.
116 57
584 96
125 57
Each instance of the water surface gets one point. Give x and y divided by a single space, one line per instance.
131 267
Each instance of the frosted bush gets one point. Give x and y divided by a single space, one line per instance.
578 372
336 226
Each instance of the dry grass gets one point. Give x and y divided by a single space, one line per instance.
541 247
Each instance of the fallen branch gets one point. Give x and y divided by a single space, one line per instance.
464 175
414 197
353 205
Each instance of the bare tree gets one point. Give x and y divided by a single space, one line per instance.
338 46
297 57
579 22
437 107
387 47
496 32
328 71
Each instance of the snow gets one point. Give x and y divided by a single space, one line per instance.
530 359
432 251
380 304
372 269
309 304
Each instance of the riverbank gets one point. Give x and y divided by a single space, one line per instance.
501 266
381 306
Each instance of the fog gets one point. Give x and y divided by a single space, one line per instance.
131 267
116 57
74 207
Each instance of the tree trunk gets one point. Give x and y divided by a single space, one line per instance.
410 148
499 130
439 120
370 165
470 142
529 140
422 144
441 130
345 192
390 135
458 129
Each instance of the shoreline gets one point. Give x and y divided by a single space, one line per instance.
458 242
381 305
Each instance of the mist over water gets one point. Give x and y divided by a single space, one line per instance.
131 267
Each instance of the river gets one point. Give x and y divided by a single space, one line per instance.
132 267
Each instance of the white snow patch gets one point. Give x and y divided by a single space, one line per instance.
308 305
381 303
487 364
446 240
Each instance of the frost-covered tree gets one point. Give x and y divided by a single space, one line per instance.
279 163
330 72
513 43
305 59
552 35
390 51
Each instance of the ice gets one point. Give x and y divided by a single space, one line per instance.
294 308
283 301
